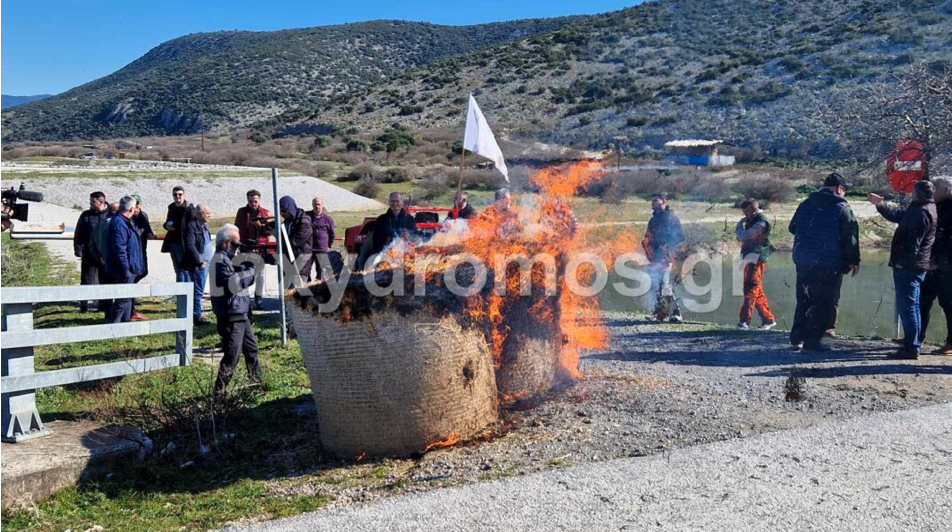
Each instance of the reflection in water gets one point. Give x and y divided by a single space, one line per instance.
866 303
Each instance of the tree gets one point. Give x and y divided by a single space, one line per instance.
914 104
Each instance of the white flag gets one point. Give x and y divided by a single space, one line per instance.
479 138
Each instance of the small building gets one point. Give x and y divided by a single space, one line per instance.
698 152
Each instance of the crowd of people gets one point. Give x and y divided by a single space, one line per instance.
111 241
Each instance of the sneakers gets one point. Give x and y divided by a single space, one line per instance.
138 316
201 321
830 333
816 347
676 319
904 354
743 325
767 325
944 350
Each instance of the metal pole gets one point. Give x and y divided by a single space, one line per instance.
280 261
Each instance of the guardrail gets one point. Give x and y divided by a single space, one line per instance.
18 378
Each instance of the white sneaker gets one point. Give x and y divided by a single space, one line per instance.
676 319
743 325
768 325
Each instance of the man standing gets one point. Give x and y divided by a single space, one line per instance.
231 304
395 223
825 247
323 235
300 232
662 240
124 259
753 230
141 222
175 221
909 258
464 211
254 228
92 269
938 283
197 253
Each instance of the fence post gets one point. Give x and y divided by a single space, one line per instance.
183 339
20 419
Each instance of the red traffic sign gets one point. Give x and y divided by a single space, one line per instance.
906 165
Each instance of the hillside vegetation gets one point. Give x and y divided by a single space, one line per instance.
766 75
216 81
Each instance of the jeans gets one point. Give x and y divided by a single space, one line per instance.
662 290
197 276
938 285
818 293
176 251
120 311
908 288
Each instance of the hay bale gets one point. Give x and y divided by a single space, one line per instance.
394 382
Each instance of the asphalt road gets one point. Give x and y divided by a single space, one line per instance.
889 471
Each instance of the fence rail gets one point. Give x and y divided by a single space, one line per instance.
18 378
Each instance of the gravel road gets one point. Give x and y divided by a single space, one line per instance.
880 472
660 387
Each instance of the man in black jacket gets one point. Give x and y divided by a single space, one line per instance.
825 247
938 283
395 223
197 252
300 232
231 304
663 239
464 211
92 269
909 258
175 220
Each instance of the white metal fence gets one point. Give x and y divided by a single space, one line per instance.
18 378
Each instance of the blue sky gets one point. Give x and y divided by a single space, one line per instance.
52 46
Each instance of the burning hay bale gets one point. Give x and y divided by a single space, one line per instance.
410 354
394 376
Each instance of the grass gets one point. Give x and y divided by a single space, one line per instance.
270 469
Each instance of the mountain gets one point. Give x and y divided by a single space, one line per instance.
761 73
7 101
758 72
221 80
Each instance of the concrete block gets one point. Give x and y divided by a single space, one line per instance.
76 451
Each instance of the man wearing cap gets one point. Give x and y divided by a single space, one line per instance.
825 247
909 258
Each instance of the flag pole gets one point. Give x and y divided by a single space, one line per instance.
459 182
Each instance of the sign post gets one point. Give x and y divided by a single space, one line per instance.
280 261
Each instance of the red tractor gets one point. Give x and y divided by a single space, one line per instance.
357 239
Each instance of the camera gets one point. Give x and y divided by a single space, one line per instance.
18 211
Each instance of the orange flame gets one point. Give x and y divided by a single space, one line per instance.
451 439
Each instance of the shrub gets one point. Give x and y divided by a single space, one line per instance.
364 171
395 175
432 186
322 141
368 188
258 138
397 138
764 188
357 145
407 110
636 121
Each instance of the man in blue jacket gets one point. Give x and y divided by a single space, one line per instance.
124 261
825 247
197 250
231 304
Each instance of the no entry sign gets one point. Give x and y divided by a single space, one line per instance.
905 165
